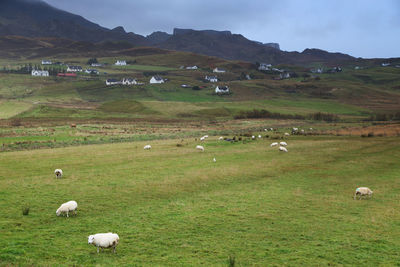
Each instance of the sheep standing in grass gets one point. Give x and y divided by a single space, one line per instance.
58 173
363 191
214 160
67 207
259 136
283 143
104 240
253 137
221 138
286 134
282 149
202 138
274 144
147 147
201 148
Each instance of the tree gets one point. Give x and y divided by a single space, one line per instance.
91 61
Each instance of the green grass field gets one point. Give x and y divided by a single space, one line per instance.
174 206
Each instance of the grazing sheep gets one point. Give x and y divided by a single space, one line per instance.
206 136
104 240
283 149
265 130
147 147
287 134
220 138
202 138
253 137
363 191
271 129
200 148
58 173
259 136
283 143
214 160
67 207
274 144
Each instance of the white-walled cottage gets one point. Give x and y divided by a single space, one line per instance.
219 70
46 62
222 90
129 81
156 79
211 79
40 73
120 63
74 69
113 82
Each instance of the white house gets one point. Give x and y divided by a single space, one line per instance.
222 90
96 65
112 82
192 68
92 71
74 69
264 66
156 79
120 63
43 73
211 79
46 62
129 81
219 70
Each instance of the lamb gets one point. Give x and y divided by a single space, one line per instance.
202 138
283 143
363 191
259 136
67 207
214 160
274 144
200 148
221 138
253 137
147 147
58 173
283 149
104 240
286 134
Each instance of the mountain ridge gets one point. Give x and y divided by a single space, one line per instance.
37 19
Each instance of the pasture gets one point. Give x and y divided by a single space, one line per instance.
174 206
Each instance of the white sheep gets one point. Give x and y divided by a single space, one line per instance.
253 137
363 191
283 149
67 207
200 148
271 129
58 173
214 160
283 143
104 240
147 147
274 144
206 136
221 138
265 130
259 136
202 138
287 134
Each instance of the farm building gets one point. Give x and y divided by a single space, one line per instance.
156 79
92 71
192 68
43 73
112 82
66 74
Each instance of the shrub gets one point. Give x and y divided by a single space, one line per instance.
25 211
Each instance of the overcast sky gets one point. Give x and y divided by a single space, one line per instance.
361 28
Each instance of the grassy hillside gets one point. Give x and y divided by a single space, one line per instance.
174 206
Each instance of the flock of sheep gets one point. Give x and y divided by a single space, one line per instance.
111 240
101 240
